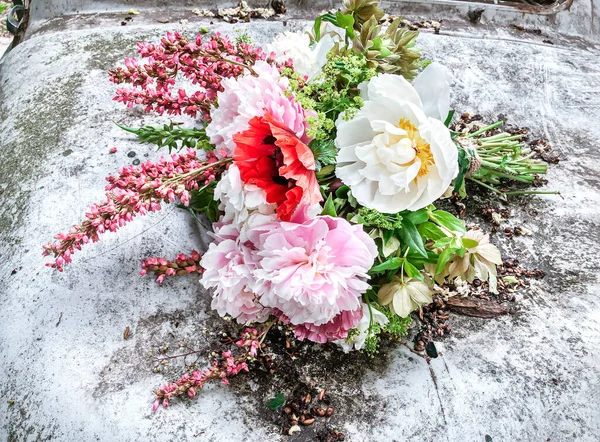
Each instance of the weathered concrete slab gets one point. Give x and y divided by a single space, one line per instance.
64 363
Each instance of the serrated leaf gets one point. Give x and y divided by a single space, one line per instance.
411 237
431 231
276 402
390 264
443 259
446 219
418 217
329 207
412 271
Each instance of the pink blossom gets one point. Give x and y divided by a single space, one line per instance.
182 265
112 150
252 96
334 330
313 270
204 63
136 190
228 265
190 383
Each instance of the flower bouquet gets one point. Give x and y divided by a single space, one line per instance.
318 159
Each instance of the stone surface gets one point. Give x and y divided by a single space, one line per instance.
67 371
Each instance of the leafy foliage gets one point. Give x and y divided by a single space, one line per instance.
172 136
324 152
333 92
202 201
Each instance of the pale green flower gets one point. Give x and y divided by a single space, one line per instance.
478 261
405 295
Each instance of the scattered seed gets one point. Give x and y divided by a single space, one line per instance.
126 333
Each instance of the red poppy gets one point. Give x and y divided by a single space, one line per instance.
272 157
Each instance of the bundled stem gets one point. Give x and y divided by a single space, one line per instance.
491 160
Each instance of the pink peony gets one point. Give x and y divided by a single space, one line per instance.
247 97
334 330
228 268
312 269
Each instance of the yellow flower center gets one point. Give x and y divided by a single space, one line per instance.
421 147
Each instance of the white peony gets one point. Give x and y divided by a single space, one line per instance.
307 60
239 200
396 154
357 342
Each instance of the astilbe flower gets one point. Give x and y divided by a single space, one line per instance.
136 190
182 265
205 64
224 368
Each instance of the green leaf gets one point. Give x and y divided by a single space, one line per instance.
442 242
324 152
469 243
449 118
430 231
411 237
386 235
412 271
329 207
342 191
443 259
345 21
317 28
446 219
390 264
325 172
276 402
418 217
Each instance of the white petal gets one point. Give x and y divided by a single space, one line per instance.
419 292
434 90
402 303
490 253
349 133
394 87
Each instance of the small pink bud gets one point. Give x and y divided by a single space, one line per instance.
156 404
112 150
191 392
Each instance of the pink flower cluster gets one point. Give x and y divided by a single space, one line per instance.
228 366
183 265
311 272
205 64
136 190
